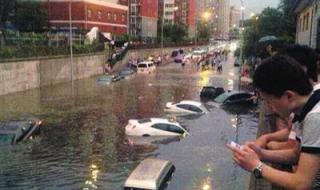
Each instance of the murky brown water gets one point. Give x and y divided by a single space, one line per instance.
83 144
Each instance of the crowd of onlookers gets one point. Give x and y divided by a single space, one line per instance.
287 154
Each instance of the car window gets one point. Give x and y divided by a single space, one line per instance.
195 108
168 127
6 138
234 97
221 98
142 65
183 106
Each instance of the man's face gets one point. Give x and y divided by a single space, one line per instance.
279 105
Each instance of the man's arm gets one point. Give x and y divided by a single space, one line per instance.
274 145
303 179
281 135
284 156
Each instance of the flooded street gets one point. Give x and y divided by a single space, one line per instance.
83 143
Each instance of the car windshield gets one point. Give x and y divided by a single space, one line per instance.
221 98
6 138
142 65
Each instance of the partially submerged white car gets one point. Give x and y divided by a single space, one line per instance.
154 127
186 107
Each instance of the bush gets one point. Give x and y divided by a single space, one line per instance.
7 52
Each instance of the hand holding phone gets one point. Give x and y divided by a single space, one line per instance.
235 145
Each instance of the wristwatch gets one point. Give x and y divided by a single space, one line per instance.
257 171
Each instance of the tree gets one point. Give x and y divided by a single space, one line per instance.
175 32
203 31
234 33
6 11
31 16
289 19
178 32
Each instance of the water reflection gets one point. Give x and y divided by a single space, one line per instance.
83 143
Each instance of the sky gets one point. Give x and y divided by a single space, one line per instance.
256 6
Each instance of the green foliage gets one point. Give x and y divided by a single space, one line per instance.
234 33
204 32
279 22
6 52
30 16
174 32
6 9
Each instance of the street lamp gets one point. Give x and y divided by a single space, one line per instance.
205 17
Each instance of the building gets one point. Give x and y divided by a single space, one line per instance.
223 19
143 19
168 9
186 14
308 23
108 15
235 15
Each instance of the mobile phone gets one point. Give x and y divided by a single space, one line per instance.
234 144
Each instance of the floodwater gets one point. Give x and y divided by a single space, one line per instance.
83 145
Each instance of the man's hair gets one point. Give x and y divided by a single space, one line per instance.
306 57
281 73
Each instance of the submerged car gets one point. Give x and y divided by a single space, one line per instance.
15 131
146 67
185 106
211 92
154 127
126 73
235 98
108 79
105 79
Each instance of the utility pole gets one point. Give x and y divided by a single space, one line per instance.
241 42
162 23
71 42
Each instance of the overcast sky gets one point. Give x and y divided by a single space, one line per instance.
256 6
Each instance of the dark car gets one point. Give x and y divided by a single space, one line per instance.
211 92
235 98
174 53
15 131
126 73
236 63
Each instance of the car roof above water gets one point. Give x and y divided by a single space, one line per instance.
149 174
155 120
198 104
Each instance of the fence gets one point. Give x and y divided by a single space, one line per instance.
48 39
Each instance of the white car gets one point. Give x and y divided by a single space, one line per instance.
154 127
186 106
146 67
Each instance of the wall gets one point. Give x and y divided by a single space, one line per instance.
304 22
20 75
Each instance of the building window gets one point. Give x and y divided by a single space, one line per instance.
99 15
123 17
89 13
109 16
115 17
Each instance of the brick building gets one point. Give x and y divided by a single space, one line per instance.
186 13
110 16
